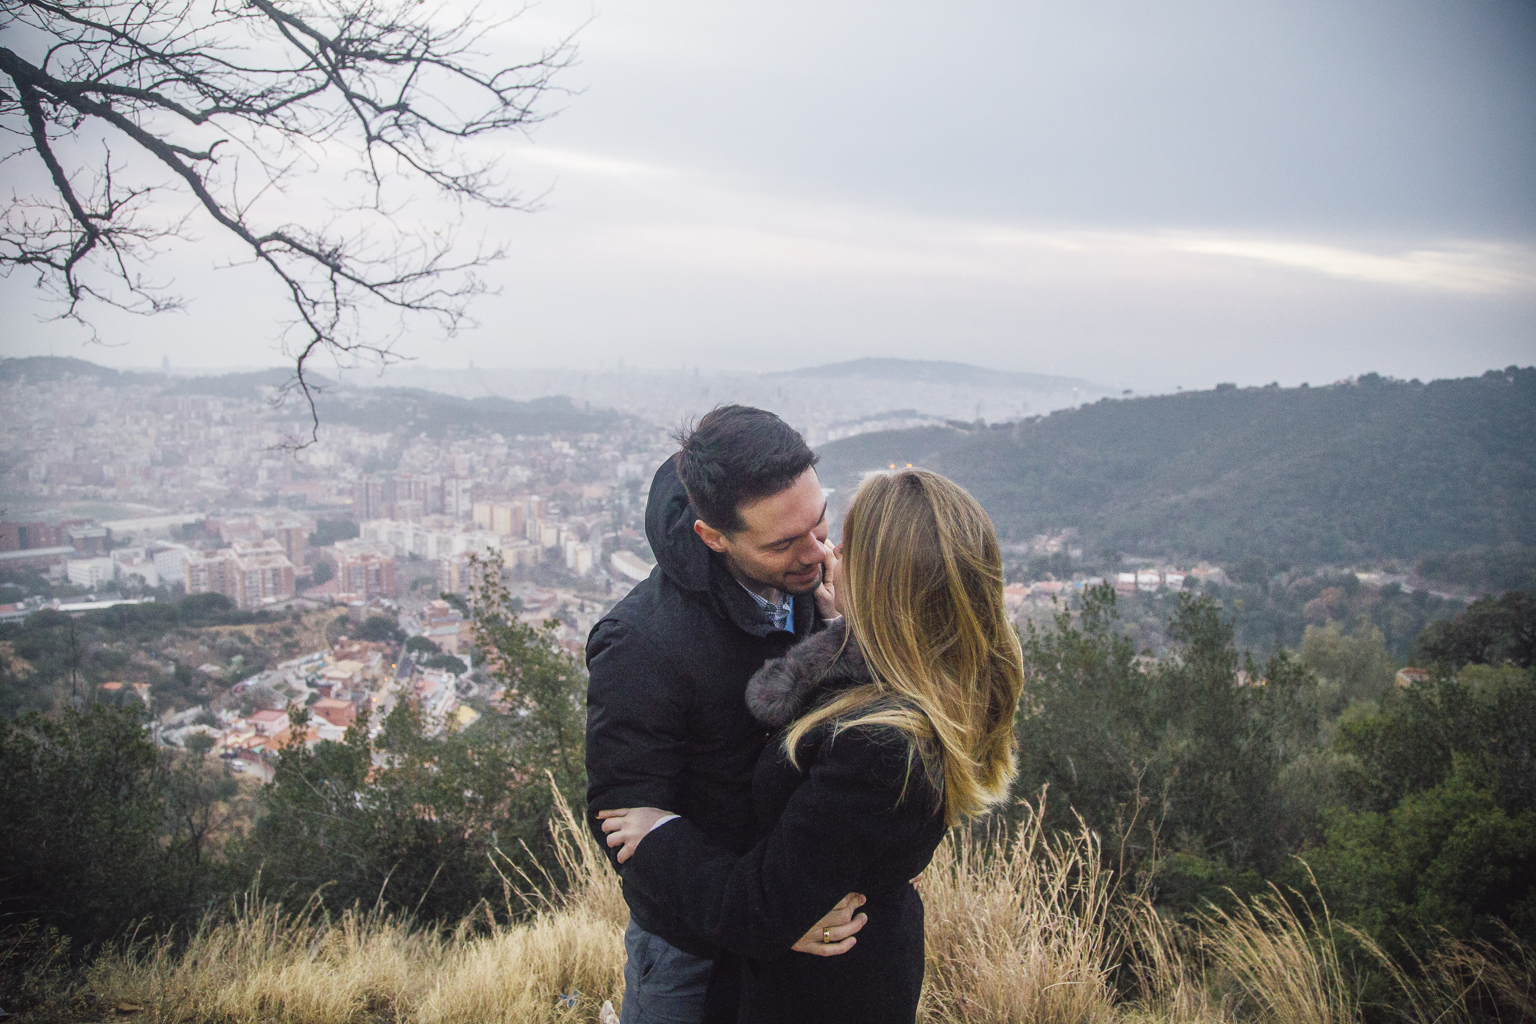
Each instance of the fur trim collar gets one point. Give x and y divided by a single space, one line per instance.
784 688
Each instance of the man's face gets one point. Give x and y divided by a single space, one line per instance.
781 544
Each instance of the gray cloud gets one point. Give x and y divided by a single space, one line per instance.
1147 195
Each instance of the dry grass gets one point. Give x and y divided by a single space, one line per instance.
259 964
1024 926
1032 927
1465 982
1286 967
1166 969
1019 929
575 943
519 974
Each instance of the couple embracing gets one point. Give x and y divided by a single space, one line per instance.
779 732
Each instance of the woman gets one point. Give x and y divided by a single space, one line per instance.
899 724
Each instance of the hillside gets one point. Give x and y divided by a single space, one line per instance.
372 408
384 408
42 369
1375 468
251 384
434 414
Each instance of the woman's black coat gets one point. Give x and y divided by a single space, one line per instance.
859 814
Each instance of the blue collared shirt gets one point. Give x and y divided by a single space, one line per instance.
782 615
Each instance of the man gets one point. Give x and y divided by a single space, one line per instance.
738 523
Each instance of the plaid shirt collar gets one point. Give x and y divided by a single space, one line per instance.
782 614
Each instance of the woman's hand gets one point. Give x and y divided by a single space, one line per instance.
826 593
626 826
833 934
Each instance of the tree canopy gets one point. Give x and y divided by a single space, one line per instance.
1492 631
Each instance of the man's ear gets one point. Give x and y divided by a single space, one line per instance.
712 538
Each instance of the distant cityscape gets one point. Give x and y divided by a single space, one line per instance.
133 490
219 508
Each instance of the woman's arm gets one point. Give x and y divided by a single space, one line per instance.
830 936
847 813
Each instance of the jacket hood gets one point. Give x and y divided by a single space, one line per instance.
669 519
784 688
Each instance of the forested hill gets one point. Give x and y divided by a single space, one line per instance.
374 408
1333 474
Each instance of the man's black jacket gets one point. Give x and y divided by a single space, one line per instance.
667 720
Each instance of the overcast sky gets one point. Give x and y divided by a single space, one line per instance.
1146 195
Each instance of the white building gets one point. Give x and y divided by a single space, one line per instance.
90 572
456 501
424 540
474 542
401 536
630 565
170 559
130 562
578 556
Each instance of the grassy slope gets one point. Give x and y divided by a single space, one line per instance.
1021 926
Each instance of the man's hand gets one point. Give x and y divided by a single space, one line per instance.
826 597
626 826
833 934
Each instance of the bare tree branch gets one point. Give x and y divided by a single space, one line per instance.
198 94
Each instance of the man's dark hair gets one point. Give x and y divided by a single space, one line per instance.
735 455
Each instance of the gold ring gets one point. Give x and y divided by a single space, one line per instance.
826 936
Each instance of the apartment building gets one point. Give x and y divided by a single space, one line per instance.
250 574
365 570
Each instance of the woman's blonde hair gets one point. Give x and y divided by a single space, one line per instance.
922 590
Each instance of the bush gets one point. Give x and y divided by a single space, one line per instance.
421 645
1447 859
446 662
1149 754
379 628
101 830
1022 925
207 610
1439 832
1354 666
329 531
348 817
